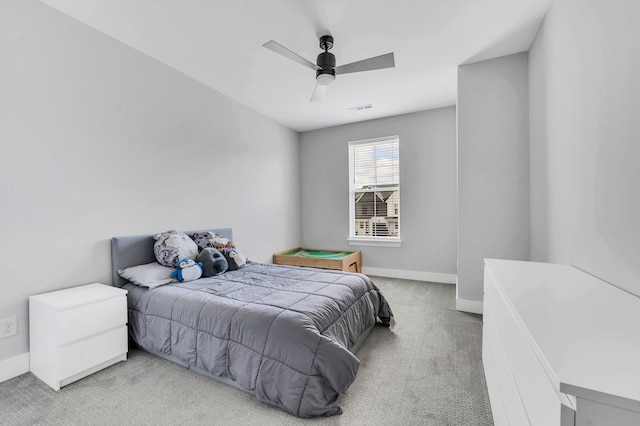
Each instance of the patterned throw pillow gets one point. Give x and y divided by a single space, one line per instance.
173 246
211 239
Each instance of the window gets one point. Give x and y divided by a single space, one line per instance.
374 191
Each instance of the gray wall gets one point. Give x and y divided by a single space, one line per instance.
585 139
493 172
427 194
98 140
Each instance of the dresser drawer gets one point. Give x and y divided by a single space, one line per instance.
507 408
88 353
541 401
90 319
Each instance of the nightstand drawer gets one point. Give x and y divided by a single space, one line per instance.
85 354
90 319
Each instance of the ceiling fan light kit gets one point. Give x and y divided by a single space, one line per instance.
325 65
325 79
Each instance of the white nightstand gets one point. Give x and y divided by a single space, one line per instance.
76 332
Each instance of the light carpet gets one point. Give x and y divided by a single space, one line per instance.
426 371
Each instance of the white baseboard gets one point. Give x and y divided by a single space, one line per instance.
14 367
473 306
411 275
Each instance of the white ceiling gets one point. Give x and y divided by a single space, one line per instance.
219 43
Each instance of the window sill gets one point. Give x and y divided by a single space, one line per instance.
376 242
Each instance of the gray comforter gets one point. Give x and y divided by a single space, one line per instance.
282 332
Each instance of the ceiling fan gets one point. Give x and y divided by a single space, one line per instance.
325 66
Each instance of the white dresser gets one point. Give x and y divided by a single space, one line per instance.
559 347
76 332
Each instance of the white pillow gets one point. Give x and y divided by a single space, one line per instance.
149 275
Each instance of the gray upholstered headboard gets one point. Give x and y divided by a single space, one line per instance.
138 249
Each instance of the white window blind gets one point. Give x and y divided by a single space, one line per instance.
374 174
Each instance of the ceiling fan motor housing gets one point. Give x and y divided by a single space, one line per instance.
326 61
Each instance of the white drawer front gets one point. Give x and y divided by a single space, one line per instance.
540 399
86 320
513 410
491 376
88 353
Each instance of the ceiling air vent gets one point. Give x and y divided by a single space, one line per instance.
360 107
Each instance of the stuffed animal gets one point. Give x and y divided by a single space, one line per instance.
238 258
172 246
211 239
188 270
234 258
213 262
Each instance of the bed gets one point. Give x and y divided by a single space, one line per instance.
287 334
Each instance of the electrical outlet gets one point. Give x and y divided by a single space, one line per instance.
8 327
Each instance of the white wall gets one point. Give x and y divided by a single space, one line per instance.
98 140
585 139
427 194
493 169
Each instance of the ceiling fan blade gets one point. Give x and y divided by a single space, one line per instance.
278 48
375 63
318 93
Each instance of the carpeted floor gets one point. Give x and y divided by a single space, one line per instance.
426 371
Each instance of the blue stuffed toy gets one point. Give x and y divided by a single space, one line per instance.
188 270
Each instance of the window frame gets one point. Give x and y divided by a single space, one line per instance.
369 240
